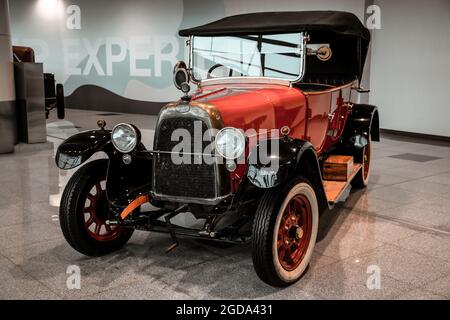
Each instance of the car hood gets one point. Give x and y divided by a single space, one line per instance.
256 106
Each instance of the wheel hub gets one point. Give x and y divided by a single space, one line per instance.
296 233
299 233
102 208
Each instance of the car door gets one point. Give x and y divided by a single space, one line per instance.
338 115
318 121
334 115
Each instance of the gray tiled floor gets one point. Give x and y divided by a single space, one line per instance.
400 224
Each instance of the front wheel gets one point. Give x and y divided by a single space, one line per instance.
285 232
84 210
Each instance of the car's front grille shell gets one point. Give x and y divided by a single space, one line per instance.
191 181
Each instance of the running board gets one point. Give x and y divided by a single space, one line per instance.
335 189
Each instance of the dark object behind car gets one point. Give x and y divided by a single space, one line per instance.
54 96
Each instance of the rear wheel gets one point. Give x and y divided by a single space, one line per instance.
85 209
285 232
362 178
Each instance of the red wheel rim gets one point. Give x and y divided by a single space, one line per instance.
294 232
96 213
366 160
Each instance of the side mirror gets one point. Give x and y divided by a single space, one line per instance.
180 75
323 52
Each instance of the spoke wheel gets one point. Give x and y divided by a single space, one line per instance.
284 232
96 214
294 232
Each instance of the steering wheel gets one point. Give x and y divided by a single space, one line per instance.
216 66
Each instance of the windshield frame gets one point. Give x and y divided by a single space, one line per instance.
251 79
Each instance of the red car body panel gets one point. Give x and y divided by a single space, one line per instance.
318 117
258 107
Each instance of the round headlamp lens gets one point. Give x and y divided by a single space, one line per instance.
124 137
230 143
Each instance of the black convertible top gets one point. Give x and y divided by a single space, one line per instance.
283 22
345 33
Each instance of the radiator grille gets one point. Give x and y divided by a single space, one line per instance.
189 180
183 180
194 127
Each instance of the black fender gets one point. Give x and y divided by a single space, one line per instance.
363 122
124 182
293 158
80 147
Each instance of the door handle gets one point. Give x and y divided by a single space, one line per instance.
331 116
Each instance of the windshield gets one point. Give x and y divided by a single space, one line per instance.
275 56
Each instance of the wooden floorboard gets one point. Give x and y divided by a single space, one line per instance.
334 189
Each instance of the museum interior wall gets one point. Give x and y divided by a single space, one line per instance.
410 66
118 57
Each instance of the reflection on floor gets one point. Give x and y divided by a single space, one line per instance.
399 227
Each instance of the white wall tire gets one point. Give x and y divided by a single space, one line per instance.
361 180
285 232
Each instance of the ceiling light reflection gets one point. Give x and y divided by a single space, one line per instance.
50 9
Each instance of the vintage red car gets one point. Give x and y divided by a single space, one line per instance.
271 138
